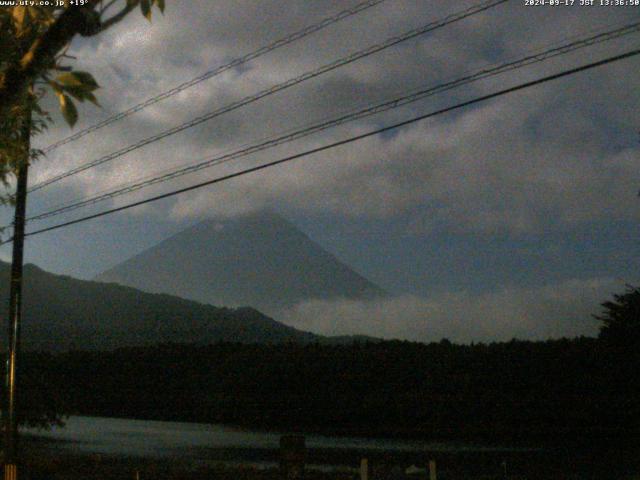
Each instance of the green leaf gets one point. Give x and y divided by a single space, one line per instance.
69 111
161 5
87 79
19 14
76 92
77 80
57 88
34 14
82 94
92 98
145 6
68 80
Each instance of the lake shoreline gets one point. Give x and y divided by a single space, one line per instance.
488 441
46 457
45 460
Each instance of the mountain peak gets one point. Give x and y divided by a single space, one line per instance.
259 259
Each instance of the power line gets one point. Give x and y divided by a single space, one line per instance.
236 62
475 9
353 139
576 41
478 8
359 114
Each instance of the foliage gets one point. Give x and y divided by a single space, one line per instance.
42 404
621 319
529 392
33 60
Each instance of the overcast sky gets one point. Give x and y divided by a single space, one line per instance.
513 217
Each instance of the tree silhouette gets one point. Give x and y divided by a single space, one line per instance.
621 318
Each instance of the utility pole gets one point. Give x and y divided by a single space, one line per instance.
10 421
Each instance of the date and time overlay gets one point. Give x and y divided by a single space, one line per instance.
526 3
581 3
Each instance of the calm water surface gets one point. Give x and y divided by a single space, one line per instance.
112 436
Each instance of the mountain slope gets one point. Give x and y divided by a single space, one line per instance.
61 312
260 260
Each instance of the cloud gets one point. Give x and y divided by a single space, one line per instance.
552 311
5 256
553 156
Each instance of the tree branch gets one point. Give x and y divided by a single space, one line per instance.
106 7
41 53
117 17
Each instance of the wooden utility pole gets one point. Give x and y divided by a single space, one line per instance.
10 420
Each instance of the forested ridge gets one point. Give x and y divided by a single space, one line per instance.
62 313
579 390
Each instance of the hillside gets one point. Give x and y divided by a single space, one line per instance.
61 312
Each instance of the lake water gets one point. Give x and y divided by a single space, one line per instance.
197 441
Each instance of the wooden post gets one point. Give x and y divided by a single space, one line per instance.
9 413
364 469
293 455
432 470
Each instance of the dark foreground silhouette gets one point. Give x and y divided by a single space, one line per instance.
580 391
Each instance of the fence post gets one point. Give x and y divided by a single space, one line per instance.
364 469
293 455
432 470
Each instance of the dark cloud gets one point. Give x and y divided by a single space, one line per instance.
511 164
